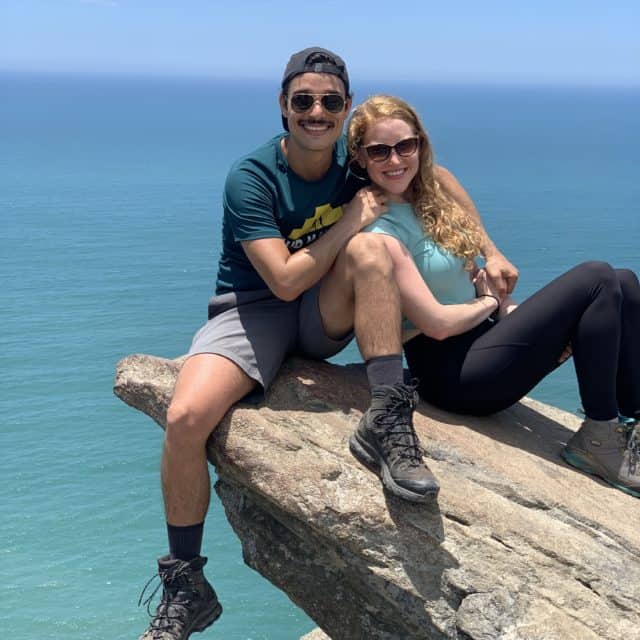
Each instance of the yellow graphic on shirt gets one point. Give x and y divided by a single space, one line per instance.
324 216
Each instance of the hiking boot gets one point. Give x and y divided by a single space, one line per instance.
386 440
188 602
609 450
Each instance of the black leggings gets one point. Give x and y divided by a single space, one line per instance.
594 307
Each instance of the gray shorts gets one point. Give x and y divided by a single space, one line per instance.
257 331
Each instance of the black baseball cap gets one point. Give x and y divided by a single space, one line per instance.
314 60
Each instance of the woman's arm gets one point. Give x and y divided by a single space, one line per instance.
500 270
438 321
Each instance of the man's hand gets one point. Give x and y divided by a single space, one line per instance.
366 207
502 273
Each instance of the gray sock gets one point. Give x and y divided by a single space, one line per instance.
385 370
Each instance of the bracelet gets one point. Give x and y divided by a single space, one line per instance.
494 313
489 295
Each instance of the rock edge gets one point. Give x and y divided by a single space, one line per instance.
519 546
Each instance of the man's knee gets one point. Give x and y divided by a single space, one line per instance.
367 253
207 386
186 425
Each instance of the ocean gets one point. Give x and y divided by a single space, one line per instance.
110 191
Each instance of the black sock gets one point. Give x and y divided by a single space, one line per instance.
185 542
385 370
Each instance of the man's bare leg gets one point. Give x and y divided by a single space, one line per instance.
361 292
206 388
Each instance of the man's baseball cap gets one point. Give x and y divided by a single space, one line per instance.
314 60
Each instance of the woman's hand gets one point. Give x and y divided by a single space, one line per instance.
502 273
507 306
367 206
487 286
484 285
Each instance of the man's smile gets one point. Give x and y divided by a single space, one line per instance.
315 125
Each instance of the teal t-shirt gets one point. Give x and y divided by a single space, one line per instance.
264 198
442 271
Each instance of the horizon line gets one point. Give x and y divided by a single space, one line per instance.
489 81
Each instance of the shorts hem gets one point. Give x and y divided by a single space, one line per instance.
313 341
241 363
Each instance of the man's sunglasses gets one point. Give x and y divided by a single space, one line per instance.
331 102
381 152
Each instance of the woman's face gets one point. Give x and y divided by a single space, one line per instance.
395 173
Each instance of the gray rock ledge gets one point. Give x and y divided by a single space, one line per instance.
518 547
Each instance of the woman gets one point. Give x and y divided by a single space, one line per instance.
476 352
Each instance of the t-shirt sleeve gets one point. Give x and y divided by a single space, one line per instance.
249 205
390 228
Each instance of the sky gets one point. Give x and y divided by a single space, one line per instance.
569 42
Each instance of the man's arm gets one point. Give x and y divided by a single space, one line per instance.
290 274
498 268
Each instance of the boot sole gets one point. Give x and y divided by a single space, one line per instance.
210 618
370 458
577 461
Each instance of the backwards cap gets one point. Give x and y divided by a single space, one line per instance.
314 60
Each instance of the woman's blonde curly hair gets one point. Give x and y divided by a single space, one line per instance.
442 219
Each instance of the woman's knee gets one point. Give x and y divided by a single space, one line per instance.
629 285
597 271
601 277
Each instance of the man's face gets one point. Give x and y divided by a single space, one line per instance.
317 128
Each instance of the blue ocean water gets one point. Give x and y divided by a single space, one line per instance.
110 209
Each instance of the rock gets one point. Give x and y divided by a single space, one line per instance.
316 634
519 546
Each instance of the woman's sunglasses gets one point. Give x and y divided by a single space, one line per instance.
331 102
381 152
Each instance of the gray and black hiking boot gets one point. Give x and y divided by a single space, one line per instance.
385 439
609 450
188 602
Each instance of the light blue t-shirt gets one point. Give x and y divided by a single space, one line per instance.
442 271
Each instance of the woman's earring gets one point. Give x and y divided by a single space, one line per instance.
358 171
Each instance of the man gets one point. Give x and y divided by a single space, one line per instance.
294 275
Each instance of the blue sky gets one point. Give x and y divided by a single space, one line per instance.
541 41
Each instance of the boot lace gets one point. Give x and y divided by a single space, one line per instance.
173 610
397 435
